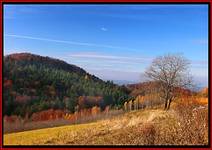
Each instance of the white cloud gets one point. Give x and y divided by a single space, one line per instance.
104 29
97 56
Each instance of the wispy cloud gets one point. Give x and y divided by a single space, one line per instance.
68 42
199 62
92 57
104 29
113 57
92 60
200 41
97 56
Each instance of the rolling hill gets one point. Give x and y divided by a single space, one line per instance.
34 83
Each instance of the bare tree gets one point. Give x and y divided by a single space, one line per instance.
171 72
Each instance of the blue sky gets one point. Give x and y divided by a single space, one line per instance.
114 42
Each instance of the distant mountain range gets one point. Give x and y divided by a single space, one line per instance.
124 82
200 82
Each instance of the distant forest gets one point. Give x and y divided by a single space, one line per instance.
33 83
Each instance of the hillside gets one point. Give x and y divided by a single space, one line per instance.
145 88
141 88
48 93
142 127
34 83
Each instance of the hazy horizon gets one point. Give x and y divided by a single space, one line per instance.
113 42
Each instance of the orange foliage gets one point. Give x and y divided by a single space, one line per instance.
141 101
95 110
71 117
193 100
23 56
84 113
49 114
52 114
201 100
183 92
204 92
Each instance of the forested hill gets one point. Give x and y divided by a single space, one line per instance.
33 83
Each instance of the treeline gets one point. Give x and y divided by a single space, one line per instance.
33 83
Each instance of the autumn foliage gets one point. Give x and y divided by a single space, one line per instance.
47 115
52 114
89 101
7 83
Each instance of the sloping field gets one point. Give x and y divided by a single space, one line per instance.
142 127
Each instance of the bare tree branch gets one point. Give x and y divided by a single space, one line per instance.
170 71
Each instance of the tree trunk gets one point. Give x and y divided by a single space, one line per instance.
165 105
169 103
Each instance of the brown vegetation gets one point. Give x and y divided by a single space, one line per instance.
22 98
51 117
47 115
181 125
89 101
7 83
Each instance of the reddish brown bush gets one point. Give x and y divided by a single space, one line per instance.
47 115
13 93
8 83
95 110
11 119
89 101
107 108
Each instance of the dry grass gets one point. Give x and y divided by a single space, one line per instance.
178 126
192 124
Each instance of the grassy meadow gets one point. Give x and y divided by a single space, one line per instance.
181 125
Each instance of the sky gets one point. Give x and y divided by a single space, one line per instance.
114 42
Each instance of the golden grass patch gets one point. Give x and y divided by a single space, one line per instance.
141 127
